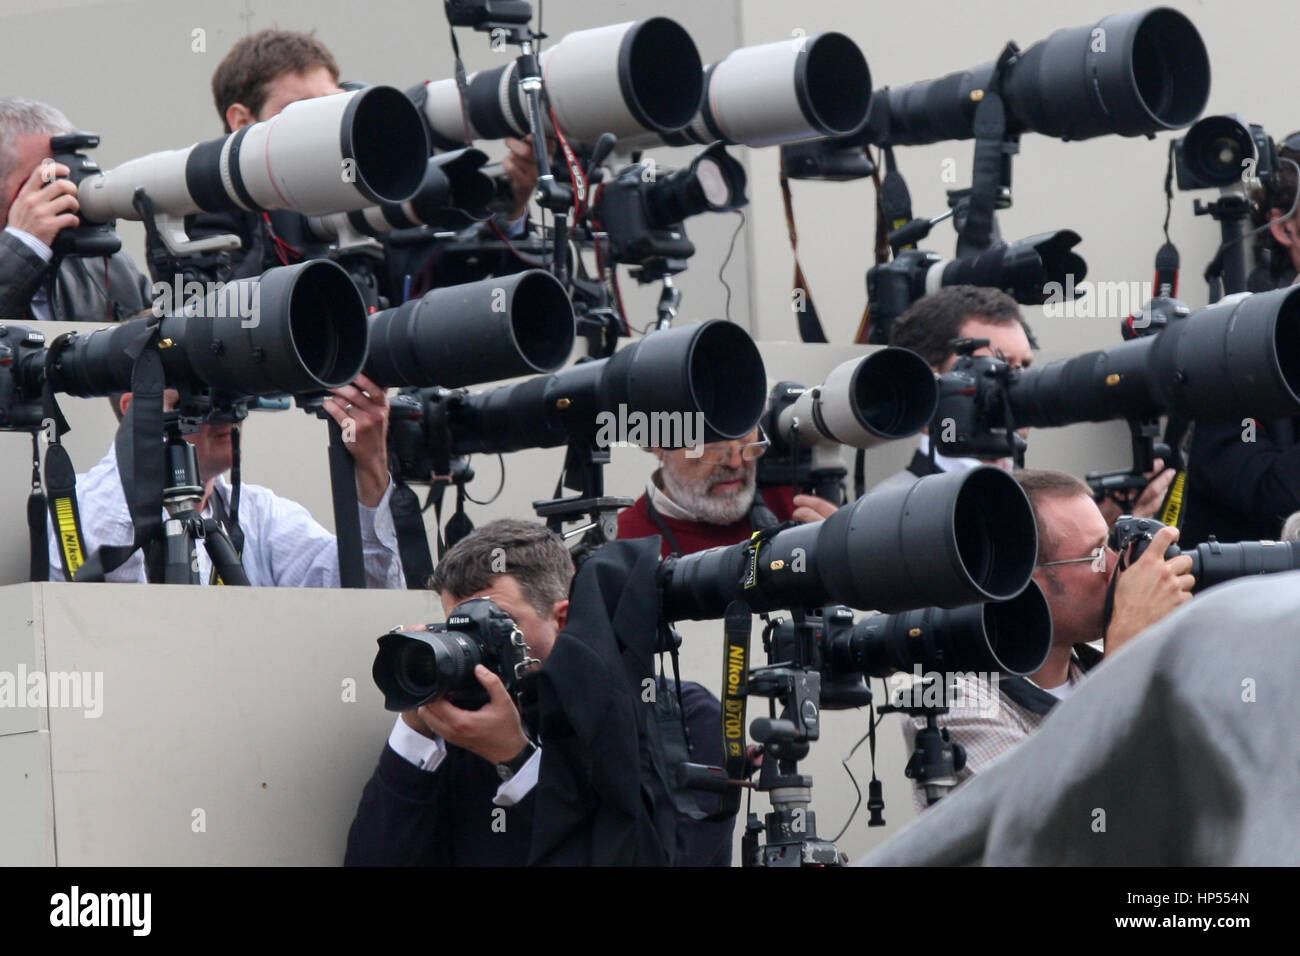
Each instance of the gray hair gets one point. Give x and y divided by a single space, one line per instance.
19 116
1291 529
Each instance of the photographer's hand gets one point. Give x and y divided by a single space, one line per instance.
811 508
365 404
493 732
45 205
1149 589
520 165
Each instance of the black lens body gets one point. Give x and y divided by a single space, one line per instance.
667 377
1130 74
415 667
1220 151
1239 358
299 329
22 375
89 238
1213 562
477 332
1007 637
949 540
1025 270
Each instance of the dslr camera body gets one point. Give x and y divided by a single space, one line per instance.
22 373
413 668
88 239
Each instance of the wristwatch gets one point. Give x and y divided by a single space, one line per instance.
507 770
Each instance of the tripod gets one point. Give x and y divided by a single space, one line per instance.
791 826
182 493
936 759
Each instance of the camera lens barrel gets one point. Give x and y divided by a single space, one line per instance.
416 667
1023 269
783 92
298 329
884 396
510 325
1214 562
949 540
690 384
1008 637
629 79
454 192
1129 74
1239 357
318 156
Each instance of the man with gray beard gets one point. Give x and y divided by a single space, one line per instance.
706 496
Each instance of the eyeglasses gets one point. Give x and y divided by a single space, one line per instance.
1099 558
720 452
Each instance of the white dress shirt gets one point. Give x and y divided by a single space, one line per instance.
284 546
427 753
40 304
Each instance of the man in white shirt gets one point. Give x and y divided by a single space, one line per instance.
283 545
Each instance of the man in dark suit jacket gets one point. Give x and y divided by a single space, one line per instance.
37 202
455 787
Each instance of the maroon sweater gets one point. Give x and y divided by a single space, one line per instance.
635 522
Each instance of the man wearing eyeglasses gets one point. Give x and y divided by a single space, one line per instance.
706 496
1076 570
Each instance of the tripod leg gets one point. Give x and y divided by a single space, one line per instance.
181 563
223 554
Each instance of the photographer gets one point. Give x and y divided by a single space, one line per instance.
283 546
1076 571
262 74
436 794
706 496
1243 479
36 204
930 327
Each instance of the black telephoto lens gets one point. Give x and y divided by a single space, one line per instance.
1008 637
299 329
949 540
1130 74
472 333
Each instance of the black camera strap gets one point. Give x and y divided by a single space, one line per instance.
347 520
412 539
738 624
991 161
141 464
60 484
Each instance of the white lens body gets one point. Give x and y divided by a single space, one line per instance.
295 160
581 77
826 413
110 194
752 97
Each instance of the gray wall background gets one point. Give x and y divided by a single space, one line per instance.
127 70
